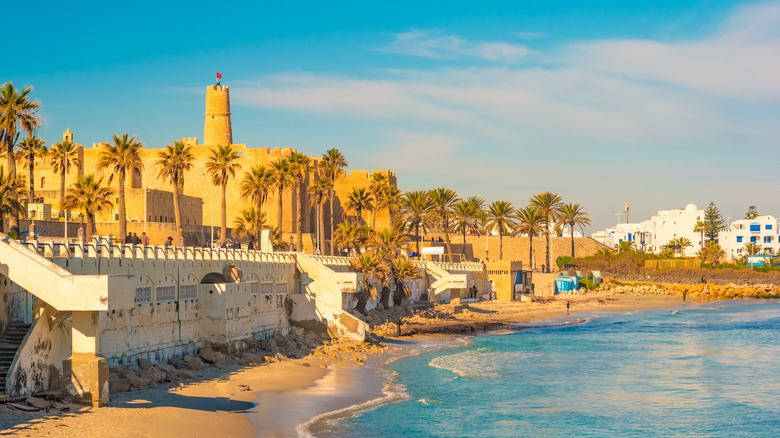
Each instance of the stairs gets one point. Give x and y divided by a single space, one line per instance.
10 341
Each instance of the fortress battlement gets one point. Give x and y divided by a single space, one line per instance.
189 141
219 87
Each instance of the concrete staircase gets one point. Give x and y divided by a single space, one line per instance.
9 343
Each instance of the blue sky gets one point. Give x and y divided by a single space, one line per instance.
659 103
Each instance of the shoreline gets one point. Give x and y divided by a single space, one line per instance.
239 401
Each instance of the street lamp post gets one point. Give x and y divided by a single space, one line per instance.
65 213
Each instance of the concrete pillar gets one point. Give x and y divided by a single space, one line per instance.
86 374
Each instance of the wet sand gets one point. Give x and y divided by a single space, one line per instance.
273 400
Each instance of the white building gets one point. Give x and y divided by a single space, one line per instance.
653 235
763 230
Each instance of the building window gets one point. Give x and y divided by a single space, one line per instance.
754 239
116 217
768 227
767 239
755 227
739 239
43 182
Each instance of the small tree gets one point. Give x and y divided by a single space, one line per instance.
752 212
713 221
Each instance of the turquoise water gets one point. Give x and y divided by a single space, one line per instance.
704 371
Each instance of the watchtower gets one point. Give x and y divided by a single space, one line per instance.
218 129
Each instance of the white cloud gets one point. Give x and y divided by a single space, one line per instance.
428 44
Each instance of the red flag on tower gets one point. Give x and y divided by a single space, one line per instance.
219 76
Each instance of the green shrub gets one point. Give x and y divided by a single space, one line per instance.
563 260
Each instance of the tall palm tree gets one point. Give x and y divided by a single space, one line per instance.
32 148
17 113
90 195
332 164
120 158
549 204
530 221
282 177
700 227
221 164
172 162
9 187
402 270
443 199
374 270
415 213
463 214
301 166
391 200
358 201
318 194
63 156
385 243
752 248
255 186
377 188
249 224
346 235
500 213
571 215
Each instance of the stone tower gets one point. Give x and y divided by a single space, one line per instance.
218 130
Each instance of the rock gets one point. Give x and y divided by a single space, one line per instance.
118 385
135 381
153 385
38 402
279 357
207 355
195 364
167 368
144 363
252 358
220 360
230 360
184 374
177 363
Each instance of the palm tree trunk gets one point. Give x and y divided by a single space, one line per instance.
464 241
547 254
223 237
176 209
299 239
373 219
447 240
322 227
331 195
279 211
13 215
122 210
32 180
62 191
417 238
531 251
572 240
90 227
500 245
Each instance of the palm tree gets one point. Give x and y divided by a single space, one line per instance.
711 253
318 194
415 212
221 164
363 236
10 188
500 213
248 224
255 186
443 199
402 270
571 215
358 201
17 112
172 162
530 221
679 244
386 242
624 246
32 148
90 195
752 248
332 164
378 188
463 214
346 235
549 204
62 156
120 158
374 270
301 166
282 177
700 227
391 200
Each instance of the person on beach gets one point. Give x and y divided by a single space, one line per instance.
567 307
168 242
144 239
136 240
129 238
685 292
251 245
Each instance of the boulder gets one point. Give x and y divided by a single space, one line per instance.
195 364
177 363
144 363
251 358
207 355
135 381
184 374
167 368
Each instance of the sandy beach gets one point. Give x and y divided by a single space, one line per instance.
275 399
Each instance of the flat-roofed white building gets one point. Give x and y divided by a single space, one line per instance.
763 231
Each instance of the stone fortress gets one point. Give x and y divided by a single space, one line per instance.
146 192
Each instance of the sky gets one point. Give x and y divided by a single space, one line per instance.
660 103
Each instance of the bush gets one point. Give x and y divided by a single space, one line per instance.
588 283
563 260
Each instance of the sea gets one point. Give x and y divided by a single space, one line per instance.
711 370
